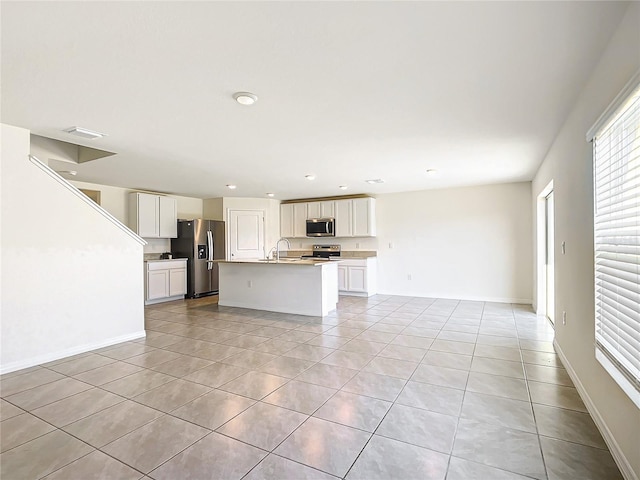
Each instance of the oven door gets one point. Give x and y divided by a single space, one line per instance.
321 227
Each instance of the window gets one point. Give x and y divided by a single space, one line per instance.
616 158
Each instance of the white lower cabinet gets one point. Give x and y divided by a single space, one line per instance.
165 280
358 277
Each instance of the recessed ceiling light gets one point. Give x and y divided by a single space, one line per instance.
232 187
342 187
375 180
431 171
245 98
271 194
310 177
73 173
84 132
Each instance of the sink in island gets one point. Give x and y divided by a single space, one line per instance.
300 286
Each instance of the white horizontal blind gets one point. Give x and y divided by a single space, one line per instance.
617 245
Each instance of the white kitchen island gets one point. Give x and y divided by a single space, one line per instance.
303 287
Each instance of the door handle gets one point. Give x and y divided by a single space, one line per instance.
210 249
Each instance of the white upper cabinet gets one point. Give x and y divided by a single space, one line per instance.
354 217
364 217
153 216
299 220
145 216
324 209
286 220
168 217
313 210
343 211
293 220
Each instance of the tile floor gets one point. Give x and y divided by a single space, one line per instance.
385 388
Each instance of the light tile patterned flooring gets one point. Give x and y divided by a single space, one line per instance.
385 388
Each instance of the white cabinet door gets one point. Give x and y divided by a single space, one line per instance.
147 215
168 217
157 284
300 220
286 220
321 209
177 282
343 218
314 210
153 216
327 209
364 217
342 277
357 279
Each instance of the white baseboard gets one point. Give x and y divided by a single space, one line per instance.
614 448
50 357
473 298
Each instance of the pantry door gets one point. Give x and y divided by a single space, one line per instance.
246 234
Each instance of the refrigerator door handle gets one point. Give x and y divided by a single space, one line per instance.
209 250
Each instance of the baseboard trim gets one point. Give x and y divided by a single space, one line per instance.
522 301
614 448
50 357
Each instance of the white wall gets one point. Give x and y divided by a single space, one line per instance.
212 209
469 243
569 165
71 279
218 209
115 200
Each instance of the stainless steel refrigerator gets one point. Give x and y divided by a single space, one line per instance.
200 242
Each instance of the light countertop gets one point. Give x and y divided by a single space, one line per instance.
166 260
282 261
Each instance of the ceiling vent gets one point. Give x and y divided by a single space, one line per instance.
84 132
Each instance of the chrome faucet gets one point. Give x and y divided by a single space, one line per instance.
278 247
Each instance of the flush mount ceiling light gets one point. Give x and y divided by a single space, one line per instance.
232 187
245 98
431 171
310 177
375 180
342 187
84 132
270 194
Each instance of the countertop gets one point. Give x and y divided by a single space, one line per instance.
166 260
282 261
344 255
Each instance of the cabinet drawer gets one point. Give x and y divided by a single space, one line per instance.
354 263
167 265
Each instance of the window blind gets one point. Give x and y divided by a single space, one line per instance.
617 245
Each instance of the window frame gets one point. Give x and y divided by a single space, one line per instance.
628 380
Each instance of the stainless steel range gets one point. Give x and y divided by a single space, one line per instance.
324 251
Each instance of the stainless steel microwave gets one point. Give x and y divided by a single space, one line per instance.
321 227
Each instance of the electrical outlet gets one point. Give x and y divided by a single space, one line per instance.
390 245
249 284
357 245
564 318
409 277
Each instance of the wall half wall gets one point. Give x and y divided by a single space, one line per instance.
569 164
72 279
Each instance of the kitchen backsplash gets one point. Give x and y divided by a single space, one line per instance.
157 245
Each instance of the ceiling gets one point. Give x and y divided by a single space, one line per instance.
348 91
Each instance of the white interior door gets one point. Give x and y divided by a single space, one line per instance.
246 234
549 261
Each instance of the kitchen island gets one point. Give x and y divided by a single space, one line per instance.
302 287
